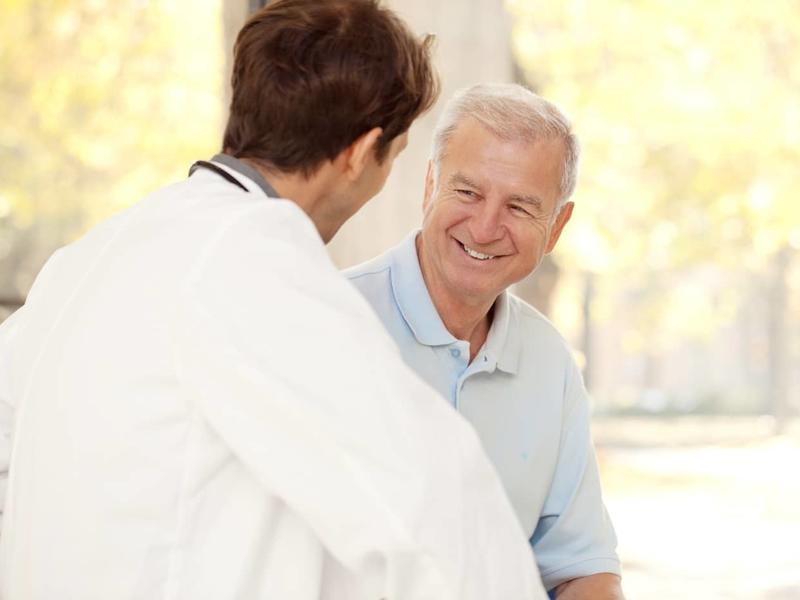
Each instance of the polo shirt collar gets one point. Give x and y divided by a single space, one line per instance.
503 343
502 346
412 297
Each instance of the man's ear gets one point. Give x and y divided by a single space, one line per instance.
561 220
428 188
358 154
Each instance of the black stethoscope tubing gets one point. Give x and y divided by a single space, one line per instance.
204 164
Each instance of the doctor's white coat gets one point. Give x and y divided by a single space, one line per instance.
203 408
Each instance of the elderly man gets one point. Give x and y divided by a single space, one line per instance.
195 385
496 201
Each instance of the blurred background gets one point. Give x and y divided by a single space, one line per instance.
677 281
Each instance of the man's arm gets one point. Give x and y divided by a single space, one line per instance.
602 586
574 538
288 365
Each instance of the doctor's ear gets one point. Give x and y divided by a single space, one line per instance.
358 154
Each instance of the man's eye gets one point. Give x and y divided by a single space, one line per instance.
467 193
520 210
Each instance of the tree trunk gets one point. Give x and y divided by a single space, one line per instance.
778 366
587 336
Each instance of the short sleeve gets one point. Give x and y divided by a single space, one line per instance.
574 536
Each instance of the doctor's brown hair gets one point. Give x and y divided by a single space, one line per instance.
311 76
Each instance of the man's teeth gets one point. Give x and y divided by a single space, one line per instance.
476 254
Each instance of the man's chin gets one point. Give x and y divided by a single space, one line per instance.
474 291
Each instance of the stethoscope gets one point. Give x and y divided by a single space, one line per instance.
204 164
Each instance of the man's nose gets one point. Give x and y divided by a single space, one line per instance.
485 225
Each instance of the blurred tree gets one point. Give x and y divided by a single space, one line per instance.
689 114
101 102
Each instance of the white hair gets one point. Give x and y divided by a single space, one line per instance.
511 112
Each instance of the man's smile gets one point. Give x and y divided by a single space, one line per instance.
474 253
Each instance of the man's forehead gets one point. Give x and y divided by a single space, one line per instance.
472 136
523 170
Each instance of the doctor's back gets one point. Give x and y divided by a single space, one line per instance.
113 472
178 433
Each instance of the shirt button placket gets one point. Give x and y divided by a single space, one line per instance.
459 352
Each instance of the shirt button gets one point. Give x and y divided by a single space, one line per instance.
455 352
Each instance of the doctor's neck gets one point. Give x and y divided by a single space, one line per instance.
312 193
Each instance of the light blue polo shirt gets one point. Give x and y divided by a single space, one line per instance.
524 395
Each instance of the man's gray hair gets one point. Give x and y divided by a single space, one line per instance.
511 112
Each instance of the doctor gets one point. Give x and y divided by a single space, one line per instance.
204 408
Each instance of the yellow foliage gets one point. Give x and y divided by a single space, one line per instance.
679 105
102 102
689 119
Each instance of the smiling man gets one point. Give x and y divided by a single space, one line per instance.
497 194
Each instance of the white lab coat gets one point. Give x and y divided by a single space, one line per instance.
204 408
